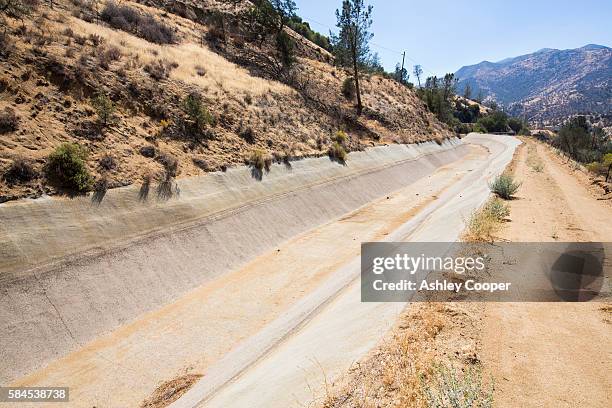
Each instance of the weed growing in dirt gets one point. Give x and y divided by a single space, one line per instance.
504 186
449 389
485 222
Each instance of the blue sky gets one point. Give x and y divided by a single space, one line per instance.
444 35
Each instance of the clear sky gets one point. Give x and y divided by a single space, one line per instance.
445 35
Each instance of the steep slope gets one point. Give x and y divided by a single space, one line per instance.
548 85
58 59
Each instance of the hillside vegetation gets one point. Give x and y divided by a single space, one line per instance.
156 90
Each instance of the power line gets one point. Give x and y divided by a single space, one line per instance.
310 20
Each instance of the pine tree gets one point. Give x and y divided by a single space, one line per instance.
351 44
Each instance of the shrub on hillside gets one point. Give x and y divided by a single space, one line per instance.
66 168
20 171
142 24
198 116
582 142
348 88
108 55
170 164
285 46
160 69
104 107
108 163
504 186
247 133
9 121
260 160
6 45
340 137
337 152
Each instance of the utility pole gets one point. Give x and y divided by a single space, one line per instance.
402 71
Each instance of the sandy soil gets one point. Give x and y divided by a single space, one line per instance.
555 354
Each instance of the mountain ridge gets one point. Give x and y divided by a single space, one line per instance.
548 85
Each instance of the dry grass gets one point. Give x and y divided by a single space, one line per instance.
405 367
191 58
486 221
533 159
52 72
170 391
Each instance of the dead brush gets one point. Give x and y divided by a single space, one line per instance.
449 387
260 160
393 375
485 222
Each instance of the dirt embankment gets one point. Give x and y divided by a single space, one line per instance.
537 355
551 355
55 63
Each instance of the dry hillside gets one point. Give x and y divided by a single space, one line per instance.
56 61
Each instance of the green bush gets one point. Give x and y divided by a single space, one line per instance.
515 124
348 88
340 137
478 128
504 186
104 107
495 122
285 47
199 116
497 209
486 221
66 167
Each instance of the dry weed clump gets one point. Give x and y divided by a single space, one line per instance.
160 69
20 171
142 24
404 371
9 121
485 222
260 160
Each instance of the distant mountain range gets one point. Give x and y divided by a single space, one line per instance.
546 86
